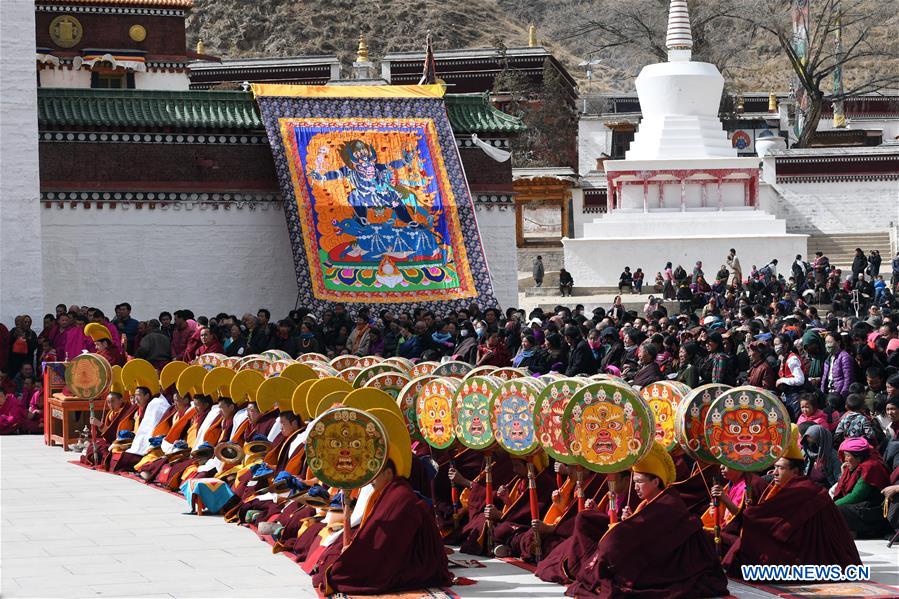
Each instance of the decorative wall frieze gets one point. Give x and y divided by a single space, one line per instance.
150 138
160 200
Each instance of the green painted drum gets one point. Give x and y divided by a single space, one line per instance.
390 383
747 428
663 398
369 372
612 428
549 419
471 412
512 415
88 376
346 448
434 411
689 422
408 400
277 354
455 369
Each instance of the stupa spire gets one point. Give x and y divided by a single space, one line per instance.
680 36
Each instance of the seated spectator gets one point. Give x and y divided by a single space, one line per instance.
858 492
638 280
566 282
822 465
626 280
809 411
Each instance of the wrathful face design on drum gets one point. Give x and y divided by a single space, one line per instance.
745 435
435 419
474 418
515 424
664 413
552 412
606 434
347 450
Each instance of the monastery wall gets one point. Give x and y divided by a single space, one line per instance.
497 226
833 207
210 261
20 222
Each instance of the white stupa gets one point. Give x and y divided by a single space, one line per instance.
681 193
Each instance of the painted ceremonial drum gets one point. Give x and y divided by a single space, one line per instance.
276 354
612 428
390 383
454 369
434 411
422 369
404 363
471 412
88 376
507 374
747 428
209 361
346 448
663 398
549 414
689 421
349 374
257 363
512 415
480 371
322 370
368 373
343 362
608 377
312 357
276 368
367 361
230 362
407 401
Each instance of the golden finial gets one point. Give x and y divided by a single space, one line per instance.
200 47
772 102
532 36
362 52
740 104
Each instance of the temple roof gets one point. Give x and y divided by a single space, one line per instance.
142 109
141 3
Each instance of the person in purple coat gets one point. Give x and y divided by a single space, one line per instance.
838 367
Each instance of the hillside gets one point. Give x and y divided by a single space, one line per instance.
572 29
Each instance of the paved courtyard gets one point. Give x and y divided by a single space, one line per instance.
71 532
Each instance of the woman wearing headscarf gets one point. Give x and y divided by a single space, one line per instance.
813 348
687 371
858 492
530 355
822 465
467 348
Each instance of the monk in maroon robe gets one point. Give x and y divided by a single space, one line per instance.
474 496
796 522
398 546
658 550
119 415
561 564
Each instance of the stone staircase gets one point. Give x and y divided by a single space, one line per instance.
840 248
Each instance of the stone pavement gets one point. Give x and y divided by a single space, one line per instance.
71 532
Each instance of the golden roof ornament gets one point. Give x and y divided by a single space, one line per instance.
362 52
201 48
772 102
532 36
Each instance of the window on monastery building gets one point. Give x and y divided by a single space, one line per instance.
110 79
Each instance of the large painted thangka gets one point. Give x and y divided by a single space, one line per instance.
378 206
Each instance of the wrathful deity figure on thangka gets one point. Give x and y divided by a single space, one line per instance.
379 189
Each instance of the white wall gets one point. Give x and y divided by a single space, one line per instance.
207 260
850 207
161 80
64 77
594 139
497 226
20 248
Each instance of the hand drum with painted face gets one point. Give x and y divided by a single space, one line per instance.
88 376
549 419
434 412
453 369
369 372
471 412
512 415
390 383
346 448
408 401
663 398
508 374
747 428
612 427
689 421
423 368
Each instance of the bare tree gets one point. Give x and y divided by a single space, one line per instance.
867 57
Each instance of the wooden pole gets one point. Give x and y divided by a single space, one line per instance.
535 509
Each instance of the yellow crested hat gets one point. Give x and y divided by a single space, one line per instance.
368 398
117 385
298 400
217 382
299 372
399 444
794 452
658 463
140 373
97 332
244 386
276 391
170 373
322 387
190 381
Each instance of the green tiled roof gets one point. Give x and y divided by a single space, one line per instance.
140 109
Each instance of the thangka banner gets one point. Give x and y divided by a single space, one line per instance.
378 207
